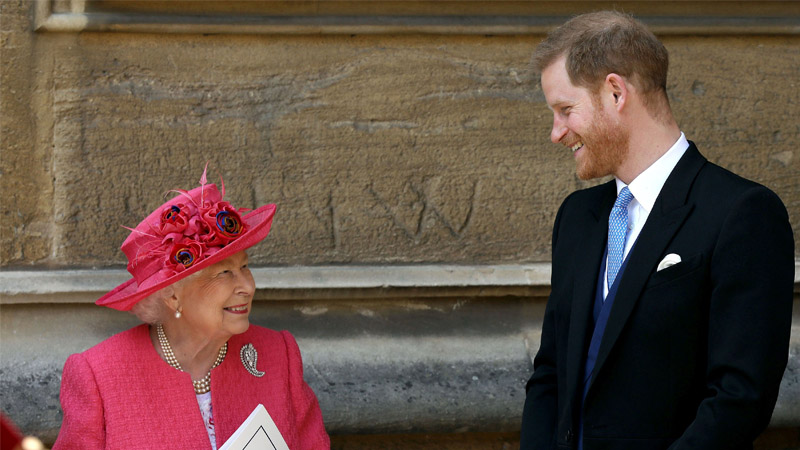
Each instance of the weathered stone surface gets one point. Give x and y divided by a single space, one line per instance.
788 410
741 105
377 149
25 202
366 160
449 441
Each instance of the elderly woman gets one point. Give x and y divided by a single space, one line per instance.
197 368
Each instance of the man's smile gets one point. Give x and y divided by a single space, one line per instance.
576 146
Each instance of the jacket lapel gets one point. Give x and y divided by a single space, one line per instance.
587 267
669 213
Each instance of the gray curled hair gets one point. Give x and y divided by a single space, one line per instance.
153 309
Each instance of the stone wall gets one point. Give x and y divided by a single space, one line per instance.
388 148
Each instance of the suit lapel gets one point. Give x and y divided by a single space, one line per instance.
669 213
587 267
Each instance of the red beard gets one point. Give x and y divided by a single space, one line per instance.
605 147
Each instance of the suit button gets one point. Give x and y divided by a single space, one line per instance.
568 436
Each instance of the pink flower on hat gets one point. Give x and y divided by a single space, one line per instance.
184 254
194 232
229 224
175 218
223 224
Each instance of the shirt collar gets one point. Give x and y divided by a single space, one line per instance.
646 187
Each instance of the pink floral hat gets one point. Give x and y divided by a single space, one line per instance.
190 232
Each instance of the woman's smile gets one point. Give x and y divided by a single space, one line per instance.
238 309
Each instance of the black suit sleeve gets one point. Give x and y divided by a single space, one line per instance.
540 414
750 311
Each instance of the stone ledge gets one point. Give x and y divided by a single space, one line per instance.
82 286
497 18
493 25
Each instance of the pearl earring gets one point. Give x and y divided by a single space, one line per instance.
177 314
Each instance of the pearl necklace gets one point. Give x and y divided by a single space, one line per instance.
200 386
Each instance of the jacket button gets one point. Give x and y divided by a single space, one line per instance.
568 436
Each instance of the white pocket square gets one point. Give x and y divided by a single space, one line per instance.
669 261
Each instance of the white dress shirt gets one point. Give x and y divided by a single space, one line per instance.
645 189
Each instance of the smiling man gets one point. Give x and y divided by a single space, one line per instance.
668 321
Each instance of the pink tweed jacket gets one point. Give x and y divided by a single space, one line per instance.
120 394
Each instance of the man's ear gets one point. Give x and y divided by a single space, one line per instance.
616 90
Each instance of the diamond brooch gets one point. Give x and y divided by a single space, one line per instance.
249 357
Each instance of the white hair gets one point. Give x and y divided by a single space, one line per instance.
153 309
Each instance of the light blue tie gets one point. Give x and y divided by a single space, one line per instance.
617 232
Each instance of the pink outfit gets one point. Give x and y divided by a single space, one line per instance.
120 394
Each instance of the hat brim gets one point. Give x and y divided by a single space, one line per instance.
127 294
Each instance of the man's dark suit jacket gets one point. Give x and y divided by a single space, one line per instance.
692 355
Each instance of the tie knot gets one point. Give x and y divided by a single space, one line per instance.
624 198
